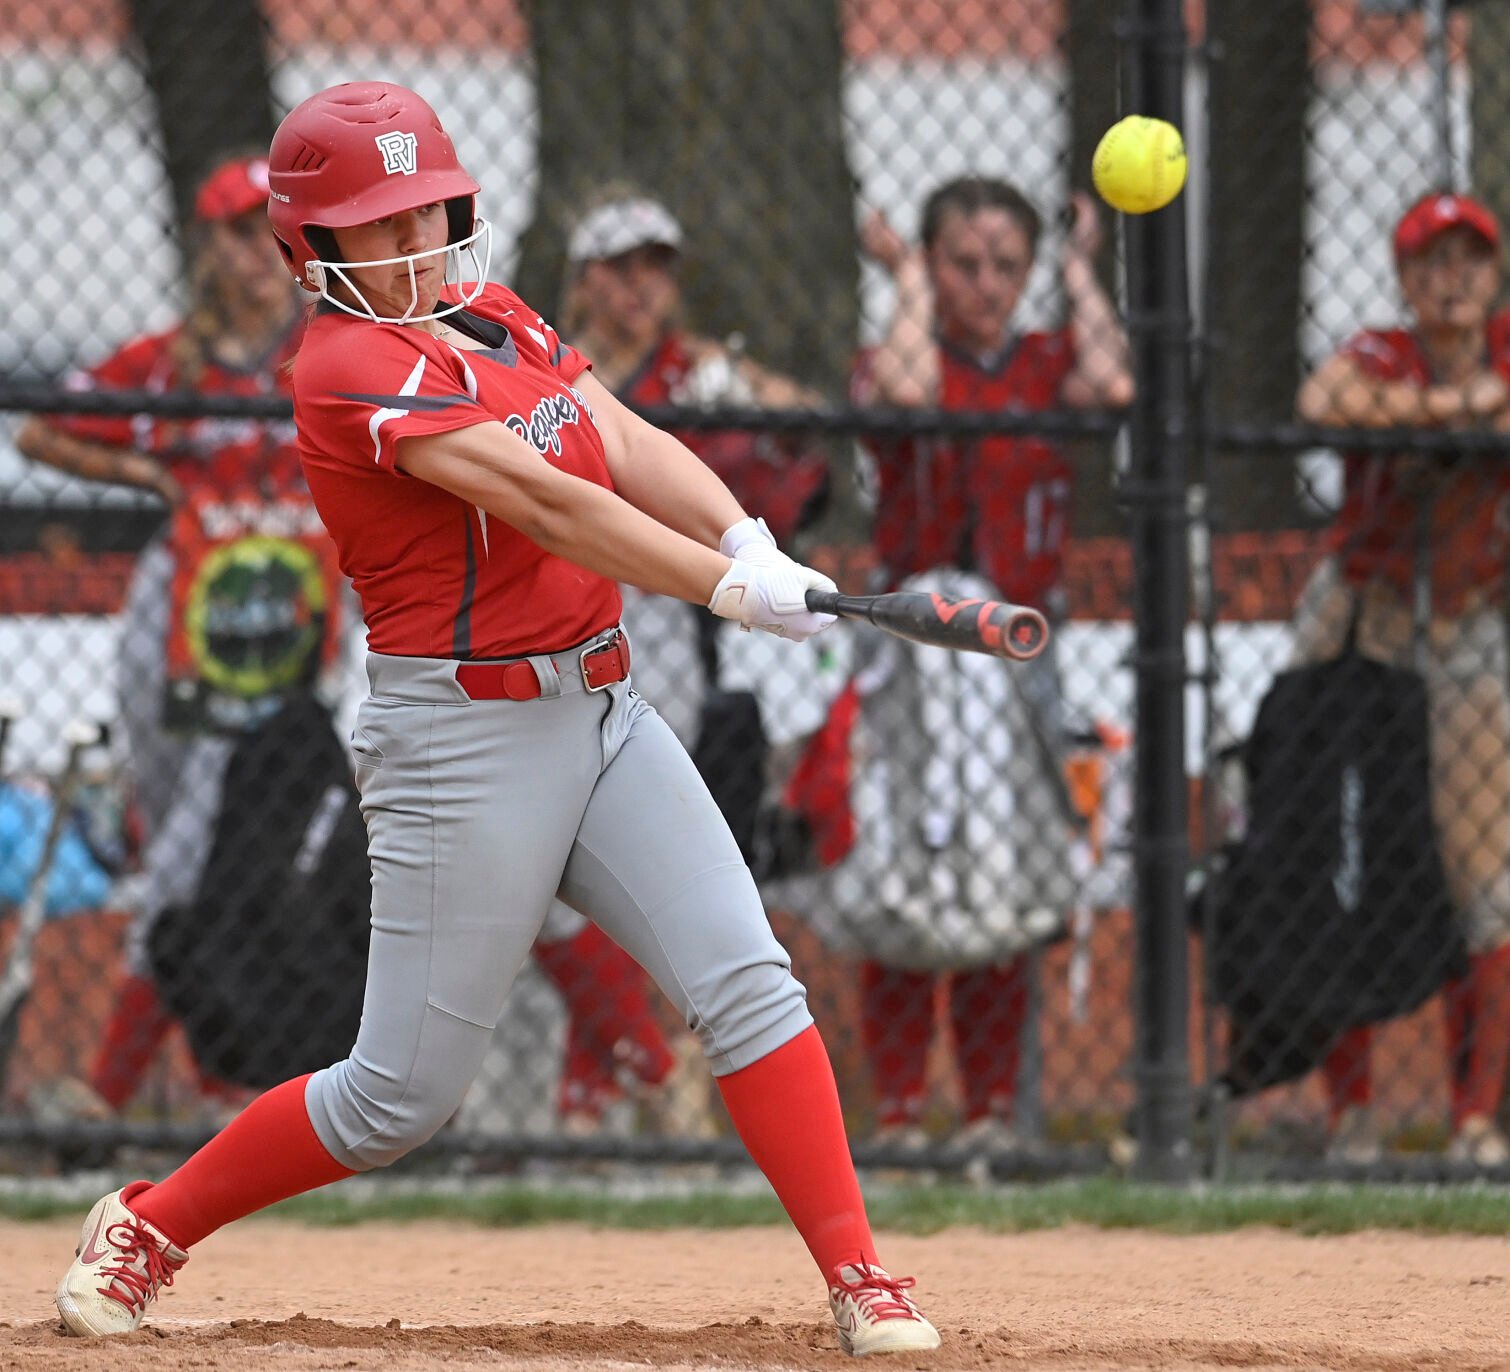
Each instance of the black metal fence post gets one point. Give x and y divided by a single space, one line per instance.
1159 326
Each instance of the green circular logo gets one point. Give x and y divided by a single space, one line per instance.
255 615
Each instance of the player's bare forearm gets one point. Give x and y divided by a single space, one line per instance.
489 466
658 474
669 482
598 530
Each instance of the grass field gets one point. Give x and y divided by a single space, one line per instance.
1104 1203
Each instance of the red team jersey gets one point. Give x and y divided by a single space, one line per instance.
197 452
1376 535
437 576
998 506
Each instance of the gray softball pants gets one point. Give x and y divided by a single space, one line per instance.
478 814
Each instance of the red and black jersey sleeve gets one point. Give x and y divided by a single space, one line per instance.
533 334
359 388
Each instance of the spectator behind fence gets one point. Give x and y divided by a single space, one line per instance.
622 307
242 326
504 757
952 845
1421 547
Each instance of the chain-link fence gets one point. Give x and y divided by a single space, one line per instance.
846 252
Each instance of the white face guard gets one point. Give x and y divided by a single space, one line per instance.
321 273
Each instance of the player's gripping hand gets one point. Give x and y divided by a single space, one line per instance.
771 596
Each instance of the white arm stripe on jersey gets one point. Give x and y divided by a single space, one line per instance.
381 417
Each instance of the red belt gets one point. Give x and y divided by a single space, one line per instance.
601 663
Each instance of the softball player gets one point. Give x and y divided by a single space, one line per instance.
486 494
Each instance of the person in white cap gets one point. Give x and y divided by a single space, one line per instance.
622 306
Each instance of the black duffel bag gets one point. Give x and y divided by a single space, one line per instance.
1332 911
266 968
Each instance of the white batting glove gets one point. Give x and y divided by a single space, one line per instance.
771 598
751 541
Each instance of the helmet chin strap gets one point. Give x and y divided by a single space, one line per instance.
322 275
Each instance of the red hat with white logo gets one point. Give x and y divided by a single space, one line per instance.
1432 215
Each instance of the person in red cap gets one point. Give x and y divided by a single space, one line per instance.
1418 524
240 330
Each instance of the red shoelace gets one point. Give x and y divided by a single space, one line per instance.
144 1269
881 1296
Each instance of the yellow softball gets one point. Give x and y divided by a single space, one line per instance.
1139 165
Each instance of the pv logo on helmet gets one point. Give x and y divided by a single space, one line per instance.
400 152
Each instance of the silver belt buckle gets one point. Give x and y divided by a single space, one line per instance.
607 641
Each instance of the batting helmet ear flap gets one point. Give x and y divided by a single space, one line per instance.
323 241
319 240
459 218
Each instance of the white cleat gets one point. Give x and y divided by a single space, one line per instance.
122 1262
874 1314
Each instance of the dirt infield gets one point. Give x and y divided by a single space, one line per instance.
270 1294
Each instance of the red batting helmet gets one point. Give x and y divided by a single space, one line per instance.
355 153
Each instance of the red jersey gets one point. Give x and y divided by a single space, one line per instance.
768 475
998 506
438 577
1376 533
197 452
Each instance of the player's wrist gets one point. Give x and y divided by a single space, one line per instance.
751 542
734 595
772 597
748 533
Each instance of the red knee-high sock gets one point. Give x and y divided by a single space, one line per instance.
896 1025
786 1110
268 1153
988 1008
1346 1071
138 1024
1483 1034
606 1001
